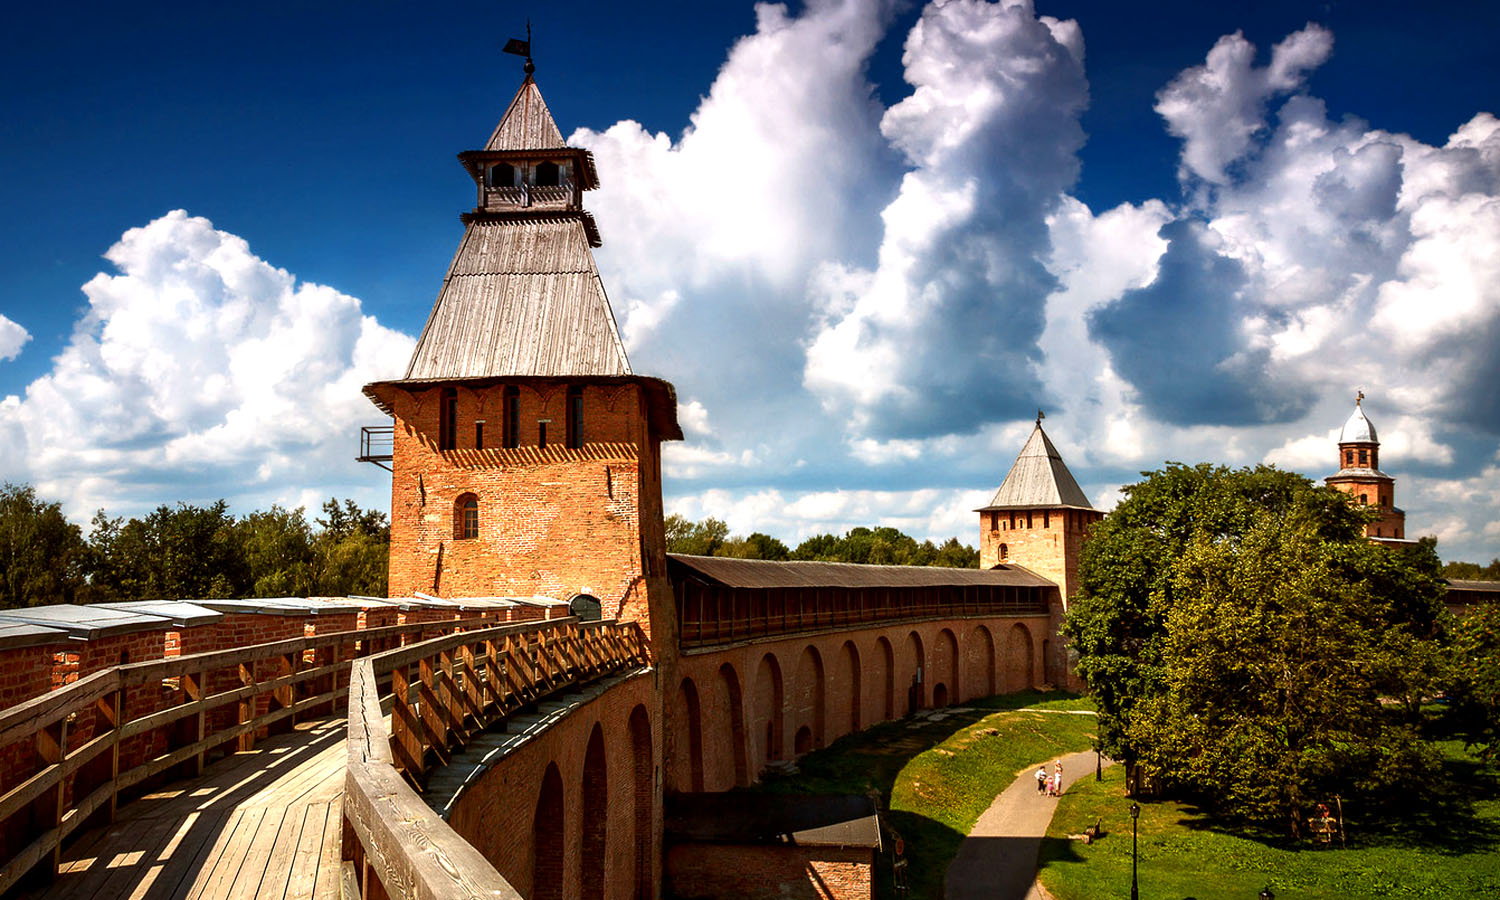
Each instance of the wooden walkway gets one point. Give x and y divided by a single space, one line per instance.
260 824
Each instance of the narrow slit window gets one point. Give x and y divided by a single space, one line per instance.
479 435
541 433
512 436
448 419
1364 457
575 417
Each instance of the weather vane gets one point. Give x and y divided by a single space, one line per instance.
522 48
1359 397
1040 415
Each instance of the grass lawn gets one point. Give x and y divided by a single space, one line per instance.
1457 856
937 776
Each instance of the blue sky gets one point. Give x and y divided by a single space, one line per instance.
865 241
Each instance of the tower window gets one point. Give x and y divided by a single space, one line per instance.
1348 457
466 517
1364 499
1004 552
541 432
448 419
575 417
545 174
512 430
1364 457
479 435
500 175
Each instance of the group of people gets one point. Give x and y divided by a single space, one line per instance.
1049 784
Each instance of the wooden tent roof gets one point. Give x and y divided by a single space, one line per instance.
521 298
1039 480
527 123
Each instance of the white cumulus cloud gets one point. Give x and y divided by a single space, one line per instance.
12 338
199 370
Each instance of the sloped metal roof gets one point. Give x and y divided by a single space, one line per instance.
1039 478
527 123
763 573
521 298
1358 429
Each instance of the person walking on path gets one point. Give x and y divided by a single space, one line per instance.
1041 779
997 861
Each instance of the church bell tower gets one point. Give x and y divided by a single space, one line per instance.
1360 477
526 456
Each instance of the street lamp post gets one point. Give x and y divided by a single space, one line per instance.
1135 815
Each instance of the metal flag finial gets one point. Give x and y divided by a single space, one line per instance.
1040 416
518 47
1359 397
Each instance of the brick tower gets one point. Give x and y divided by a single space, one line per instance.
1360 477
1039 518
526 455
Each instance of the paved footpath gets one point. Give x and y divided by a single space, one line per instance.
997 861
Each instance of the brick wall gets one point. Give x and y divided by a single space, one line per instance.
553 521
1046 541
25 672
736 687
759 872
512 791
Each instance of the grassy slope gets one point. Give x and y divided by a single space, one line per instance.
1180 857
937 777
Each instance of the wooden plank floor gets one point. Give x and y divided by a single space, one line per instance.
261 824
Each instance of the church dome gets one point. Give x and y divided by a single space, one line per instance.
1358 429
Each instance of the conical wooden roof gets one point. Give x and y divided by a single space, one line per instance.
527 123
1039 478
522 298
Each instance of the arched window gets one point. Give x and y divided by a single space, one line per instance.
546 174
466 518
1364 499
586 607
1004 552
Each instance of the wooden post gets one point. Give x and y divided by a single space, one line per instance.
192 692
247 706
109 708
51 745
432 715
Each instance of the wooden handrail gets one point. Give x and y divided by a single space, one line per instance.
103 703
464 684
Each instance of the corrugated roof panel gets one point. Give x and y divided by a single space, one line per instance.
1038 478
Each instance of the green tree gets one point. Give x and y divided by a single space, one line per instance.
757 546
277 548
1117 622
43 557
351 553
1276 656
1474 702
1473 571
177 553
695 538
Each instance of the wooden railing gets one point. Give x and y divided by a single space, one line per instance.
109 734
441 693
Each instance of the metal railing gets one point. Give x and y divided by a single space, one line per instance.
377 444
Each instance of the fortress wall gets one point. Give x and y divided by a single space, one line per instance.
528 813
732 710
